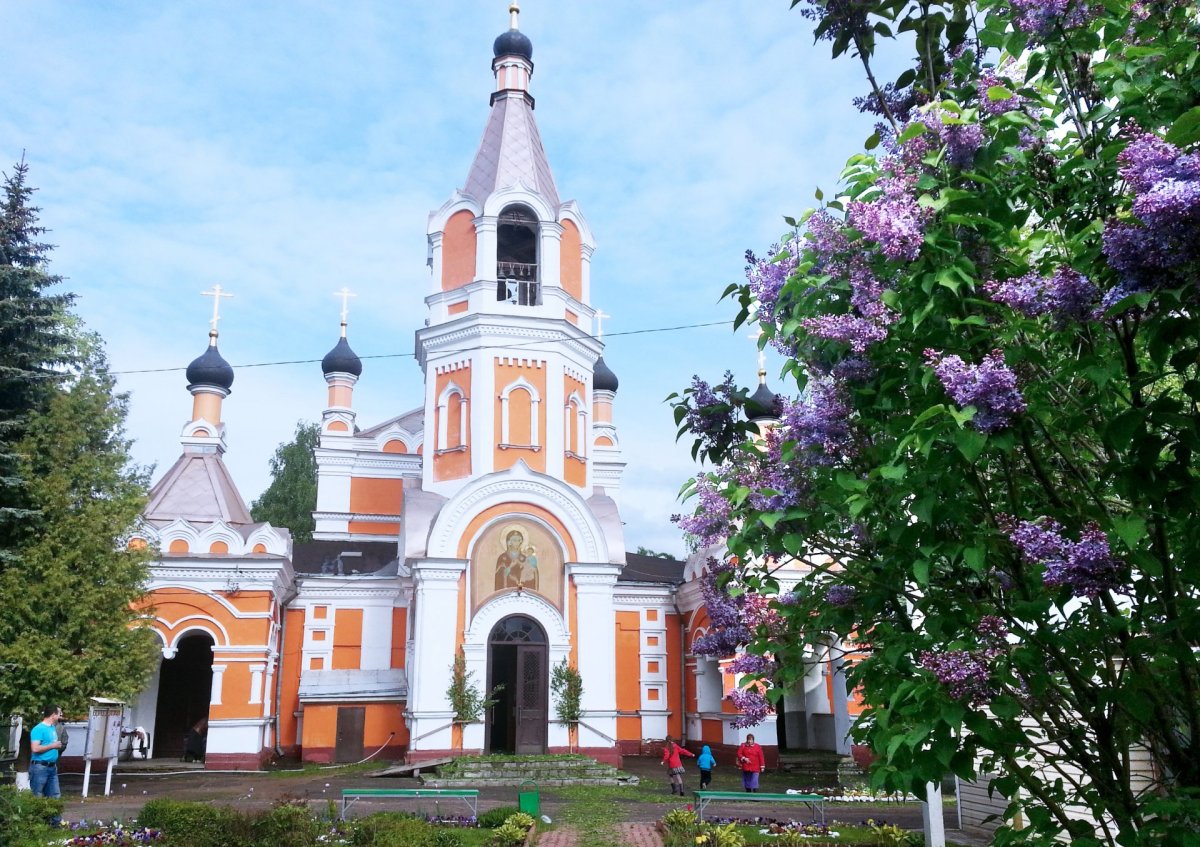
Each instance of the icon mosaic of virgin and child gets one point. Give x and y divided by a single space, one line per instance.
517 554
517 566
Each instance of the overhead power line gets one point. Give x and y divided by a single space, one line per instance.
519 345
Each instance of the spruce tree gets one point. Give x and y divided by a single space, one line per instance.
33 340
291 497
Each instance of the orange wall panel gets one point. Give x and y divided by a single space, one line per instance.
570 263
375 497
673 624
457 308
347 639
455 464
520 425
629 694
381 720
458 250
399 636
320 726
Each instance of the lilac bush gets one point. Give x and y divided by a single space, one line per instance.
988 466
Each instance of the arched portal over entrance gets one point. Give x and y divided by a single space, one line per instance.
518 660
184 693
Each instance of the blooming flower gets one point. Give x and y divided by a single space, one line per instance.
894 221
990 78
841 595
710 523
1087 567
1066 294
964 673
752 706
1040 18
991 387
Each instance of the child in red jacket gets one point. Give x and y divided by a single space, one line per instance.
671 758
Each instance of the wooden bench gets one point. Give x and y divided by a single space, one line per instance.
815 802
470 796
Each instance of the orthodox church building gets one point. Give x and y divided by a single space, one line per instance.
482 523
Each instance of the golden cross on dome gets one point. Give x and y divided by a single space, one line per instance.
513 10
600 316
216 294
756 337
345 294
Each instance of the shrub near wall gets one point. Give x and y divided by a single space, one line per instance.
24 819
186 824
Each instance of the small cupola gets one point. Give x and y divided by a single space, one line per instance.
603 379
513 42
209 369
341 359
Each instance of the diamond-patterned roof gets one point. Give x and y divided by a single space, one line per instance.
511 152
198 487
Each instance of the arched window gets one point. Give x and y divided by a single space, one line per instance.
575 425
452 418
519 405
517 257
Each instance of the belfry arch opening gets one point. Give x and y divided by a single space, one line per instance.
518 659
517 256
184 694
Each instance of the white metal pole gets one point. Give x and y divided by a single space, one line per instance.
935 827
108 778
87 774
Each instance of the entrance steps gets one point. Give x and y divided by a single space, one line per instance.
819 768
487 771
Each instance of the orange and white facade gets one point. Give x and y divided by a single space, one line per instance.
483 523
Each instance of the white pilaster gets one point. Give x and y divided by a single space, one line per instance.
596 640
485 247
435 602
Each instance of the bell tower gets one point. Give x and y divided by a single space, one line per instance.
509 350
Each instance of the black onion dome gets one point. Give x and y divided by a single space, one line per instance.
513 43
763 404
603 379
341 359
210 369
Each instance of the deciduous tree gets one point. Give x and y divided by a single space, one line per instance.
291 497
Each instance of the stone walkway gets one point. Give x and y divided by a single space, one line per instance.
640 835
632 835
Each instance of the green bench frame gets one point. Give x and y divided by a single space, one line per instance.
470 796
814 802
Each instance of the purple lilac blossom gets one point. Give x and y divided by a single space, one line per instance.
819 423
992 628
991 387
710 523
768 276
894 221
963 673
752 706
1040 18
858 333
990 78
1066 294
1162 238
750 663
1087 567
839 17
826 236
853 369
899 102
841 595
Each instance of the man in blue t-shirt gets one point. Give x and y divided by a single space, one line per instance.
43 763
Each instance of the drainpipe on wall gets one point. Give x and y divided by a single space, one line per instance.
283 604
683 728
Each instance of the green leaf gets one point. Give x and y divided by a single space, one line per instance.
1186 129
893 471
976 558
1130 529
921 572
911 132
999 92
970 442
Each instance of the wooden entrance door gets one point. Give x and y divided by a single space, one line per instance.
530 700
349 744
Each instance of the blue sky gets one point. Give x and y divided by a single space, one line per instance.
287 149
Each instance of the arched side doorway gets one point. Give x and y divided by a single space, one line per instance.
184 693
518 660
